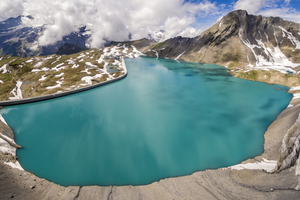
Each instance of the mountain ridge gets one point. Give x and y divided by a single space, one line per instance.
238 40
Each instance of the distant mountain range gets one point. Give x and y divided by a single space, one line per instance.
18 40
237 40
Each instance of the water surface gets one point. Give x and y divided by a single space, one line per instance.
165 119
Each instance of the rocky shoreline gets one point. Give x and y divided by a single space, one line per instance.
226 183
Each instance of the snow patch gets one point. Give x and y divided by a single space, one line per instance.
180 55
277 60
55 86
80 56
58 67
17 91
59 75
88 79
295 88
266 165
296 96
267 37
125 49
38 64
200 50
44 69
2 120
75 66
14 165
86 71
49 57
56 60
71 62
4 69
136 52
250 65
29 61
156 53
293 39
5 147
227 65
90 64
43 78
275 37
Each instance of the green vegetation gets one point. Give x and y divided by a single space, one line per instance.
235 61
271 77
23 70
225 57
158 45
36 82
251 75
16 62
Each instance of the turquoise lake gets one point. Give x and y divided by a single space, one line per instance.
165 119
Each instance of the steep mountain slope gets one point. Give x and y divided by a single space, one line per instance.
239 40
19 40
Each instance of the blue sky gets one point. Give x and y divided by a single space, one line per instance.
116 19
286 9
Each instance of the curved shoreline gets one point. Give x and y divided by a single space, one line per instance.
209 184
61 94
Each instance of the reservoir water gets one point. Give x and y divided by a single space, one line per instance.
165 119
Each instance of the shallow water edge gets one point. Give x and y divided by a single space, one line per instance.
210 184
206 167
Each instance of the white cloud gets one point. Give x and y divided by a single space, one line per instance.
287 2
251 6
284 12
112 19
276 8
115 19
10 8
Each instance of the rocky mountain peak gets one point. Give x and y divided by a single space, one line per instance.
239 40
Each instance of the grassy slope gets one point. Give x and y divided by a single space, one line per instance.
21 70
